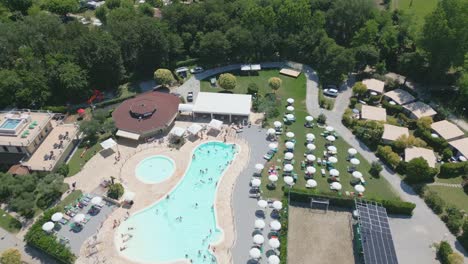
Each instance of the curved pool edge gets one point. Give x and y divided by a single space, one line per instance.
222 236
165 179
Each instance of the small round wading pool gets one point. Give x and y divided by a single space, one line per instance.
155 169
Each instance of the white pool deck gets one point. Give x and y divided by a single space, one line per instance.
102 248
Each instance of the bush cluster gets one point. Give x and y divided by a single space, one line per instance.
453 170
388 156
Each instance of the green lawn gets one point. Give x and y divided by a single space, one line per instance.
77 162
8 222
418 8
295 88
456 180
452 196
70 198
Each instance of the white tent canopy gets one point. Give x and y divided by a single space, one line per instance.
194 129
271 131
309 118
359 188
108 143
96 200
177 131
331 138
290 101
277 205
352 151
129 135
311 183
259 223
128 196
311 146
262 203
273 259
311 169
355 161
258 239
215 124
277 124
310 136
78 218
289 180
288 167
259 167
288 156
290 116
310 157
334 172
48 226
289 145
223 104
336 186
273 177
56 217
290 134
357 174
256 182
290 108
274 243
273 146
255 253
186 107
275 225
330 128
333 160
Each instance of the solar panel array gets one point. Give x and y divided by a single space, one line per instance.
376 238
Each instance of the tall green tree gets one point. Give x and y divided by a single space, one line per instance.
61 7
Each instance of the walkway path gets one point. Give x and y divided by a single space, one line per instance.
413 236
451 185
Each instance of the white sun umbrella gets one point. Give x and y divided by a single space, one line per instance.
311 183
56 217
96 200
273 146
256 182
255 253
462 158
258 239
333 159
274 243
329 129
290 100
309 118
310 137
331 138
273 259
311 146
310 157
332 148
288 156
352 151
262 203
357 174
78 218
289 180
290 116
289 145
355 161
311 169
48 226
288 167
259 223
277 205
290 108
290 135
275 225
259 167
334 172
271 131
359 188
336 186
273 177
277 124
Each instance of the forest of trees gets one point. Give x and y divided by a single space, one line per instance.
51 59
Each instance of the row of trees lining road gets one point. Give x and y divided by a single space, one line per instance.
49 60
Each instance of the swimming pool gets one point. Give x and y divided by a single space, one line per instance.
183 224
10 123
155 169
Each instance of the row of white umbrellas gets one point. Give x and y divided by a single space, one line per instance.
255 253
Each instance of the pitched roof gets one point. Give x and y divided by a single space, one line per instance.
427 154
373 113
420 109
447 130
400 96
374 85
392 133
461 145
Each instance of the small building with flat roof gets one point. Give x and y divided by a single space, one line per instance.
290 72
373 113
419 109
392 133
461 145
374 85
221 105
146 115
400 96
251 67
447 130
427 154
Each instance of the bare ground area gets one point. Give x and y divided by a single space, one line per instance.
316 237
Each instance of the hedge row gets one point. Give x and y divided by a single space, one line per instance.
438 144
283 233
392 206
392 109
188 62
56 109
38 238
113 101
452 170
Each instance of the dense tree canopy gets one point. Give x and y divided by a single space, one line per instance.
47 60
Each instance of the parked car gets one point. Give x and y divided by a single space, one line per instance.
197 70
330 92
190 97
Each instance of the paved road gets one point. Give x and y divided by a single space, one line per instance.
413 236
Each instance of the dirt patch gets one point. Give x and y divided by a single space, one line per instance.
316 237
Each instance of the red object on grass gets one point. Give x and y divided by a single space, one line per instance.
81 111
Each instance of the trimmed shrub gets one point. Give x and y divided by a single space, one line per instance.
388 156
115 191
438 144
56 109
11 256
63 170
113 101
452 170
443 252
370 132
434 202
447 153
36 237
347 118
187 62
453 218
352 102
418 171
252 88
322 119
375 169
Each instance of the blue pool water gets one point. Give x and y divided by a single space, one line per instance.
10 123
158 235
155 169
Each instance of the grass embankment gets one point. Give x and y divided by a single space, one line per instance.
9 223
377 188
419 9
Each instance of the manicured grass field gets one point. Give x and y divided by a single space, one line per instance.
8 222
452 196
70 198
456 180
77 162
418 8
295 88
